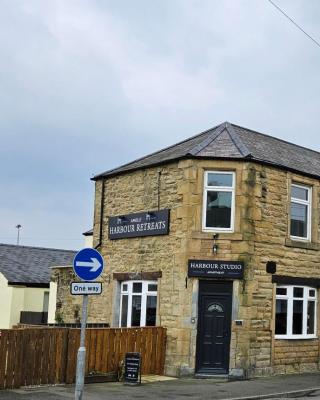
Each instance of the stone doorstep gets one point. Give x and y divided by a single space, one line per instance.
280 395
156 378
215 378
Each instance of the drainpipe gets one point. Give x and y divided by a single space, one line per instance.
101 215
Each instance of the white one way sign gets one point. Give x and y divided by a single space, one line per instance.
86 288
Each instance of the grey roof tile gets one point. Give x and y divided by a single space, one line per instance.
31 265
231 141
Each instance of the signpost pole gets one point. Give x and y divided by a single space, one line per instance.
81 359
88 266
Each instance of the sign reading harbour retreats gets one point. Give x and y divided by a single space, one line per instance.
149 223
216 269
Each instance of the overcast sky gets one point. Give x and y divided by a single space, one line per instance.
88 85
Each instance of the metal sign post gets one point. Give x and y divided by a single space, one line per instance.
81 358
88 266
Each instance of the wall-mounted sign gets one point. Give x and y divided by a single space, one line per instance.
216 269
149 223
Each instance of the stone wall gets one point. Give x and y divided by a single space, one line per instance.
271 225
68 308
296 356
137 192
181 190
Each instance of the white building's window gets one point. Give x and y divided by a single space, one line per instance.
138 303
300 215
218 201
296 312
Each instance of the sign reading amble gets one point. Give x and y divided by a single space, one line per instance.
149 223
215 269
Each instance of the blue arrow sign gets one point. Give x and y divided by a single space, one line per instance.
88 264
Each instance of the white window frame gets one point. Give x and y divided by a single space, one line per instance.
306 297
144 293
207 188
307 203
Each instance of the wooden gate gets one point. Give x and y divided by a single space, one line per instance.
48 356
32 357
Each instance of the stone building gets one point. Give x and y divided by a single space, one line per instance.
215 238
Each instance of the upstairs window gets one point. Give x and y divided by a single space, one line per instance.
218 201
300 212
296 312
138 304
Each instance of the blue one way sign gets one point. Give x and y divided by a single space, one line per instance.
88 264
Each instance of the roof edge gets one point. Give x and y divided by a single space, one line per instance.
128 171
30 284
61 266
249 158
35 247
88 232
106 173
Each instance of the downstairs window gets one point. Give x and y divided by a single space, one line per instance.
295 312
138 303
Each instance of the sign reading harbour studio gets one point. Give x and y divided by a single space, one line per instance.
149 223
215 269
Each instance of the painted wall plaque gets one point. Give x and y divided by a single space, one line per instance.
149 223
215 269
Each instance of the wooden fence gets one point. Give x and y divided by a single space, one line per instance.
48 355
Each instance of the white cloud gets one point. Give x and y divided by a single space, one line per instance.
88 85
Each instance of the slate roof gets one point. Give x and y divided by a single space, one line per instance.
229 141
31 265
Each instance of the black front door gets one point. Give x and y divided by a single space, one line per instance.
214 327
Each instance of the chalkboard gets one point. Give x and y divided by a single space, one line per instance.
132 372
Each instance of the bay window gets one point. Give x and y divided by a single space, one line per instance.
218 201
300 212
295 312
138 303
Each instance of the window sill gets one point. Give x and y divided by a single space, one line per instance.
285 337
205 235
302 244
218 230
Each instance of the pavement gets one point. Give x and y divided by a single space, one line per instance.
304 386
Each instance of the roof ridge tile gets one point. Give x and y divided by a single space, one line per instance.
237 141
213 136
